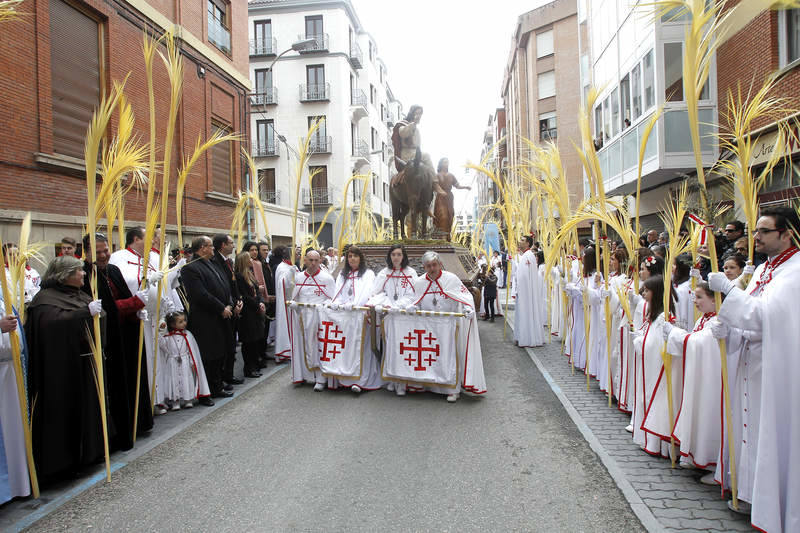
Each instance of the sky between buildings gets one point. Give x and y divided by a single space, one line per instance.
447 56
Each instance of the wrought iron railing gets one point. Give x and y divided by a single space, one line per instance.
263 47
361 149
550 134
319 195
317 92
271 197
264 96
358 98
320 144
320 43
264 148
356 57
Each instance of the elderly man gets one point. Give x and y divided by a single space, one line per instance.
766 414
439 290
652 239
313 286
211 304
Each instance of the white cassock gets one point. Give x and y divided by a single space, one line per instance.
598 340
768 308
317 289
284 286
543 292
130 264
528 319
33 282
624 358
684 306
356 289
556 305
448 294
698 424
657 424
12 439
184 377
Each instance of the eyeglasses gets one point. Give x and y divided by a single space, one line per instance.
765 231
730 230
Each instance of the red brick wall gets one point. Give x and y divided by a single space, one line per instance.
26 104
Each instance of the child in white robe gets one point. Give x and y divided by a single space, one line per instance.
183 377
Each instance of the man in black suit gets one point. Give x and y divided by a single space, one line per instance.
212 308
223 248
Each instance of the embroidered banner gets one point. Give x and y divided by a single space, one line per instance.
421 349
340 339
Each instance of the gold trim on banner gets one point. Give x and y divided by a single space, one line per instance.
361 364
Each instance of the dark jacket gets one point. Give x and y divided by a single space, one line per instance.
251 320
490 286
226 271
208 292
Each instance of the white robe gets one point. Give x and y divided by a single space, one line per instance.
393 288
528 319
448 294
684 306
557 326
18 482
284 286
577 340
184 377
598 340
357 290
316 289
698 424
624 358
770 310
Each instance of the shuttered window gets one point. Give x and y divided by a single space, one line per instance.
221 162
75 75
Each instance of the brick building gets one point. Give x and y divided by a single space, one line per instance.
60 56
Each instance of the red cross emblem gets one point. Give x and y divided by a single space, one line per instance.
331 341
417 354
318 292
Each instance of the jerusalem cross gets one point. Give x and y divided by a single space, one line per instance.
420 358
331 341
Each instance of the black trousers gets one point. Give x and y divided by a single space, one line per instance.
488 306
251 352
230 352
214 374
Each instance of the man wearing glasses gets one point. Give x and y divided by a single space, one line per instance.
766 405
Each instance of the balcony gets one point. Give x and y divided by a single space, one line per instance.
358 104
549 134
319 196
319 92
389 118
264 96
263 47
320 43
219 35
264 148
271 197
319 144
360 153
358 192
356 57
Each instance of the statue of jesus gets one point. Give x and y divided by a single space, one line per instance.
443 210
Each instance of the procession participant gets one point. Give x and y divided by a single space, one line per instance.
557 325
598 340
528 319
223 248
655 423
768 466
622 356
734 266
314 286
67 431
211 304
354 286
285 272
251 319
543 288
172 281
14 478
490 295
184 377
131 264
268 269
68 247
333 259
32 281
121 345
682 287
439 290
698 420
575 349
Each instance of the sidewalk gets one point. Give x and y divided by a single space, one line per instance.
18 514
663 498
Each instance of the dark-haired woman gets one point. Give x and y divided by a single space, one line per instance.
251 320
652 426
684 297
353 289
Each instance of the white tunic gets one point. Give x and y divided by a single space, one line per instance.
577 342
528 319
316 289
184 377
684 306
284 286
769 307
557 325
393 287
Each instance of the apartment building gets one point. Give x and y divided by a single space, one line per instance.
541 89
61 56
333 75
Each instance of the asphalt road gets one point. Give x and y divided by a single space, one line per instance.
282 458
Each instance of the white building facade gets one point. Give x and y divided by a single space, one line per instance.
339 80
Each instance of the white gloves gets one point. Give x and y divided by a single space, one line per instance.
293 304
181 263
695 273
95 307
749 269
605 294
154 277
348 306
666 329
334 306
143 296
718 282
379 308
718 329
393 310
141 314
411 308
469 313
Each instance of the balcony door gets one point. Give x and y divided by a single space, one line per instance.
263 85
314 27
315 80
266 182
319 184
319 138
265 137
263 36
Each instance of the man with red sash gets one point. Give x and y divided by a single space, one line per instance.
768 460
313 286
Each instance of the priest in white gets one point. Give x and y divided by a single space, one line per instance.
314 286
770 455
284 286
528 319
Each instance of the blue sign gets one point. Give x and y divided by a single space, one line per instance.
491 237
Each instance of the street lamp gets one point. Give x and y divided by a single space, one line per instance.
296 46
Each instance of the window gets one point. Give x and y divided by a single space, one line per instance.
314 27
673 72
319 139
383 112
265 138
371 51
76 72
263 87
374 137
547 84
353 138
607 118
373 94
385 192
383 152
544 43
380 74
598 126
547 127
319 184
266 185
374 184
315 80
636 92
218 32
788 36
263 37
625 98
649 81
221 161
614 112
